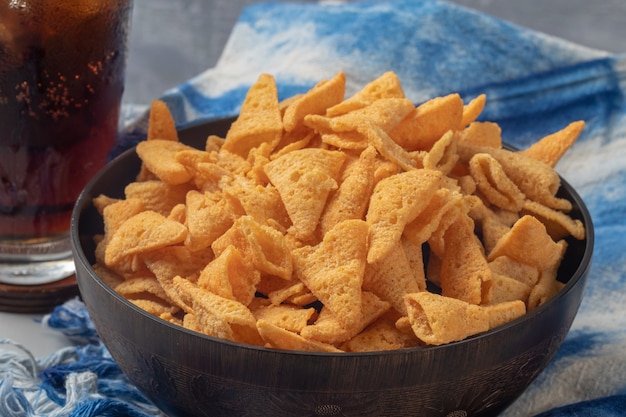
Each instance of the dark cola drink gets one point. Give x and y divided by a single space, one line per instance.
61 82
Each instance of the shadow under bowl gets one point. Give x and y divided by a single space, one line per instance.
189 374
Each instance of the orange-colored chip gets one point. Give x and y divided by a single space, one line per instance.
324 95
173 261
159 157
211 177
504 312
465 274
282 294
190 158
230 276
443 205
157 195
296 139
396 201
144 232
262 203
558 224
108 276
154 305
304 179
383 143
492 226
528 242
208 216
287 317
442 156
536 179
547 285
494 184
178 213
385 113
259 120
381 335
138 285
392 277
428 122
345 140
264 247
415 256
551 148
213 143
203 301
350 201
333 270
505 289
486 134
279 338
437 320
386 86
472 110
101 201
329 329
161 124
117 213
526 274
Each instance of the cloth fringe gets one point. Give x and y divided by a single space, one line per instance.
77 381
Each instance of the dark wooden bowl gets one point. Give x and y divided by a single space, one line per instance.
189 374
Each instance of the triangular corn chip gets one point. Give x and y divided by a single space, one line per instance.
262 246
385 113
161 124
558 224
173 261
259 120
328 329
472 110
279 338
465 274
230 311
157 195
333 270
324 95
396 201
286 317
494 184
208 216
230 276
304 179
389 149
144 232
442 156
392 277
438 320
424 225
386 86
482 134
551 148
428 122
528 242
504 312
350 201
159 157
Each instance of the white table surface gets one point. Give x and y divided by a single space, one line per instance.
157 62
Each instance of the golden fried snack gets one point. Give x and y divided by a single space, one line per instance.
320 223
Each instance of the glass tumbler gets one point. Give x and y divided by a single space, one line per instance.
62 68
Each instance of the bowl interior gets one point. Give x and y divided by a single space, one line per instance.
187 373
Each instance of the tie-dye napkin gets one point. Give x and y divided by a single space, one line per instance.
535 84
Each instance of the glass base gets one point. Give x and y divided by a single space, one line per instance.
36 262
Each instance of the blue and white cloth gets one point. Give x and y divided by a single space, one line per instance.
535 84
